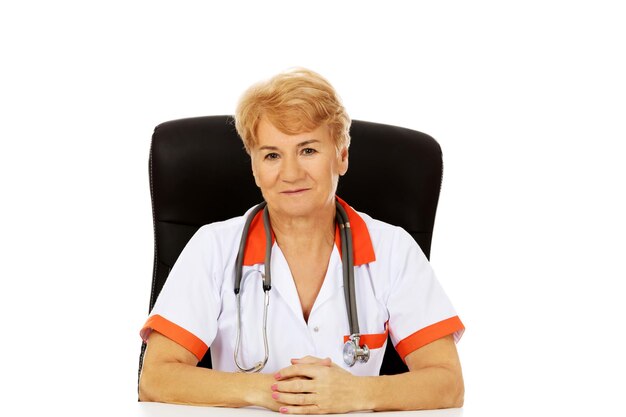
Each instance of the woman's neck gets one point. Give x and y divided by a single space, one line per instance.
311 233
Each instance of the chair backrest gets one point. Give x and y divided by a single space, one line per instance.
199 174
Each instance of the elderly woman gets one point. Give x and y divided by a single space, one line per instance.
296 132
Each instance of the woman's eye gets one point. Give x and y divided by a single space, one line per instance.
271 156
308 151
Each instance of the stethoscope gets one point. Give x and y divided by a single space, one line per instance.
353 351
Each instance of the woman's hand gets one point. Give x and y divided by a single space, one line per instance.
316 386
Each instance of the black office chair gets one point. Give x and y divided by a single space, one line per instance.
200 173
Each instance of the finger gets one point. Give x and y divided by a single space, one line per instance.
312 360
294 386
306 360
294 399
299 370
305 409
295 378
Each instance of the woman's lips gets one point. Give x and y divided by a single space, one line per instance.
294 192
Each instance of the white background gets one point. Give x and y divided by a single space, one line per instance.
527 99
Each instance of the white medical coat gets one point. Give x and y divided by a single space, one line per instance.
396 291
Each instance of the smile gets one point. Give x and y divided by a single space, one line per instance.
295 192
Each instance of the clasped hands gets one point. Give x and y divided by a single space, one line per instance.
316 386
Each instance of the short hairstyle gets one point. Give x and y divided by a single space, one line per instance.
295 101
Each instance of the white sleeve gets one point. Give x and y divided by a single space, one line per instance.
188 306
419 309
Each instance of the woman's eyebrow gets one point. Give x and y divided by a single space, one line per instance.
299 145
268 148
307 142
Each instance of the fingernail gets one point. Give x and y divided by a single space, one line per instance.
283 410
277 376
275 387
275 395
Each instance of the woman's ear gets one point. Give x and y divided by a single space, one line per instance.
343 161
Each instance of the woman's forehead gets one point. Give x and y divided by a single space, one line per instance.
269 135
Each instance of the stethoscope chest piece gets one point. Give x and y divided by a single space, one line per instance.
353 351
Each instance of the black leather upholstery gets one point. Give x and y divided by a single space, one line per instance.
200 173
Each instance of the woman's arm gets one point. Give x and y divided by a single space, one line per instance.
434 381
169 374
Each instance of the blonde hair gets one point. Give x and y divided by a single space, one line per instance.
295 101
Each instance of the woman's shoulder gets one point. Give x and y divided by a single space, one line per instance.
224 230
379 229
388 240
223 226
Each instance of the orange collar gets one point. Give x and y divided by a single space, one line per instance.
361 241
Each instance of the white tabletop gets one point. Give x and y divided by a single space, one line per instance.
148 409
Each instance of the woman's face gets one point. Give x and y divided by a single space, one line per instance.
297 174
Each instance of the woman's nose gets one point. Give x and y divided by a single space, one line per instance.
291 170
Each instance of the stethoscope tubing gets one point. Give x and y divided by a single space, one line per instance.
348 269
267 285
348 282
242 247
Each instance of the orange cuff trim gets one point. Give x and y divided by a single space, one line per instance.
428 334
374 340
176 333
